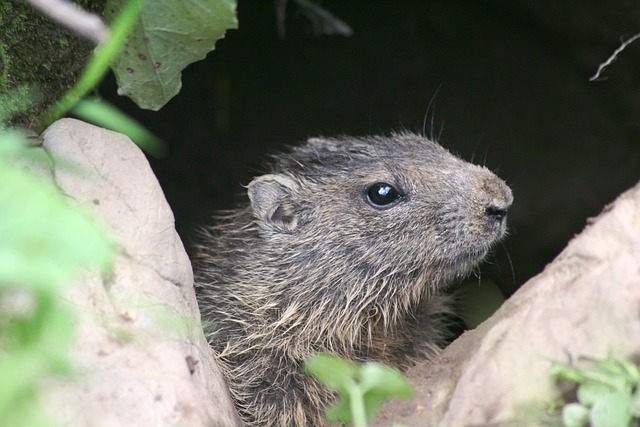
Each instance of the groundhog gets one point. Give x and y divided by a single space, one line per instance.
344 247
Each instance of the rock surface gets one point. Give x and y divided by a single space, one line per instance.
585 303
140 351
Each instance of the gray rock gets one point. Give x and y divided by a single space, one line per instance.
141 355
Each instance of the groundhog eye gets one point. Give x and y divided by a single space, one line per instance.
382 195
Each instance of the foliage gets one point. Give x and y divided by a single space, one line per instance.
98 64
168 36
46 242
93 110
608 393
47 58
39 54
361 389
101 113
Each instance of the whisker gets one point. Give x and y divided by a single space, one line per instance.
513 272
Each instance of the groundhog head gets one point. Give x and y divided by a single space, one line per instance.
371 221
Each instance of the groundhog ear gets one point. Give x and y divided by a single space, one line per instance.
273 199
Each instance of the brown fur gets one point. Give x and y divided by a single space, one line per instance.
310 265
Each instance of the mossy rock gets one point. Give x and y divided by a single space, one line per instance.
39 60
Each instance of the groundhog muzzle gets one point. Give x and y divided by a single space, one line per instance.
344 247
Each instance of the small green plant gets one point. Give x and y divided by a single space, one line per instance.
94 110
608 393
98 64
361 388
46 242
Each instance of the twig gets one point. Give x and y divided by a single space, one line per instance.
613 57
281 16
323 21
81 22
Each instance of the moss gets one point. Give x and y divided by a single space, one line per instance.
38 54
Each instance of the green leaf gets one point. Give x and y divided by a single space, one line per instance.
575 415
170 35
563 371
34 348
635 405
334 372
103 114
361 388
632 371
612 410
45 240
617 380
591 391
380 383
340 412
372 402
383 380
609 366
103 55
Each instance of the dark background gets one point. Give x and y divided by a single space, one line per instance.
510 89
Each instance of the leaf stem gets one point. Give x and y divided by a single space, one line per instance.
358 413
98 65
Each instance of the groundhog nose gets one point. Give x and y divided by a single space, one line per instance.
497 213
497 208
500 200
